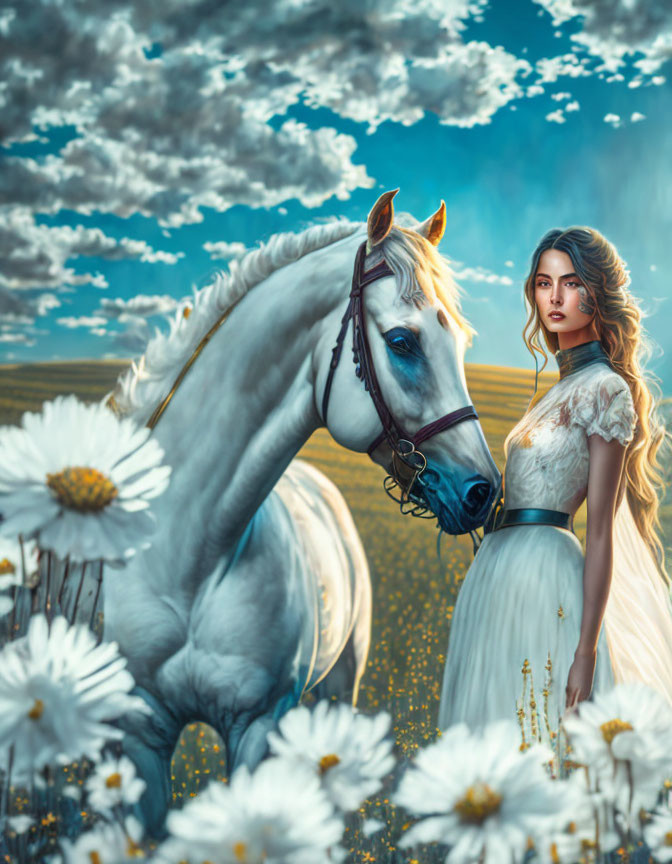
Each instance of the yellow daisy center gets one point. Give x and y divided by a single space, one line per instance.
37 710
614 727
555 858
113 781
95 857
7 568
668 838
479 802
327 762
240 852
84 489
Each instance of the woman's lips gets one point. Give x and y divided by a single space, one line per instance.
556 316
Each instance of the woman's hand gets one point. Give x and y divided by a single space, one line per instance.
580 679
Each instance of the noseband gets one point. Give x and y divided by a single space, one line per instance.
408 462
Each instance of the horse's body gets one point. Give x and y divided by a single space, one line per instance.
248 595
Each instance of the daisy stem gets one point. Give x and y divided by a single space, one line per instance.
79 591
35 588
66 573
47 597
15 589
95 599
4 805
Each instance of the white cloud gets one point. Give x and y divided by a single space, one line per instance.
139 306
17 338
572 106
561 97
72 322
222 249
35 256
550 69
46 302
636 117
615 29
613 120
479 274
556 116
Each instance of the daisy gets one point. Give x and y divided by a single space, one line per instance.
480 795
59 691
658 835
114 783
588 820
277 815
79 481
105 844
624 737
349 752
11 569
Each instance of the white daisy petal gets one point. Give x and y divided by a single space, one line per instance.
348 751
75 476
59 692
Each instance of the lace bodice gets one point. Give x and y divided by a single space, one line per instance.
547 452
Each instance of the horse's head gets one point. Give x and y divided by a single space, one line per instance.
408 372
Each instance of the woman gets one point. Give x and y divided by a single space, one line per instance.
526 636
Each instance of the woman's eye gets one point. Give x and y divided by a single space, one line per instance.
573 284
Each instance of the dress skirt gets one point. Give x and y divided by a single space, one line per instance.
521 600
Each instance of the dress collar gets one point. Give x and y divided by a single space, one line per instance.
572 359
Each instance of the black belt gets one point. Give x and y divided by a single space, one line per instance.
504 518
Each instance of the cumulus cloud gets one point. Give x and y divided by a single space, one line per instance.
556 116
637 117
222 249
572 106
34 256
73 322
561 97
168 135
615 29
550 69
479 274
612 119
140 306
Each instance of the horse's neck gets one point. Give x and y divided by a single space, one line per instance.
245 407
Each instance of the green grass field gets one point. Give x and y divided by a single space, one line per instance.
414 591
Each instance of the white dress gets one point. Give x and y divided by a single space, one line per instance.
522 597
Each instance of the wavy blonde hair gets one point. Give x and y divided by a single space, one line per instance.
618 320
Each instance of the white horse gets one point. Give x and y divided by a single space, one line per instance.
252 591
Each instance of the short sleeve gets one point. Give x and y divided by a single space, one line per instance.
610 411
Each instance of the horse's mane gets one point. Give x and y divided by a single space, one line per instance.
142 387
146 383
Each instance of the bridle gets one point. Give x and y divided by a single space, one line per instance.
408 462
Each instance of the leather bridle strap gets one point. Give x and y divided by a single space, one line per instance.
359 280
433 428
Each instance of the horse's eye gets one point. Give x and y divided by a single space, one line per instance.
401 341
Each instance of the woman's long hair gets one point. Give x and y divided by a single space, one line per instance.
618 322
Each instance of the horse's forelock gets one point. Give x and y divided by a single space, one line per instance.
423 273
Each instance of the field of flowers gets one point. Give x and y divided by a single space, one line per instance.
432 791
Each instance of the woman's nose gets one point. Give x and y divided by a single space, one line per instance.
556 295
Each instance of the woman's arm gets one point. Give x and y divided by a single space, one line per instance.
604 475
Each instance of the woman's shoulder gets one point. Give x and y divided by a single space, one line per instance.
602 403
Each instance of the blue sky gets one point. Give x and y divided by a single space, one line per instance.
136 133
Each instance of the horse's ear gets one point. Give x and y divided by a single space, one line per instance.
432 229
381 217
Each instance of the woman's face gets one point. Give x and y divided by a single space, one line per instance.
563 302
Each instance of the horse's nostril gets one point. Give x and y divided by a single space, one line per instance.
475 495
